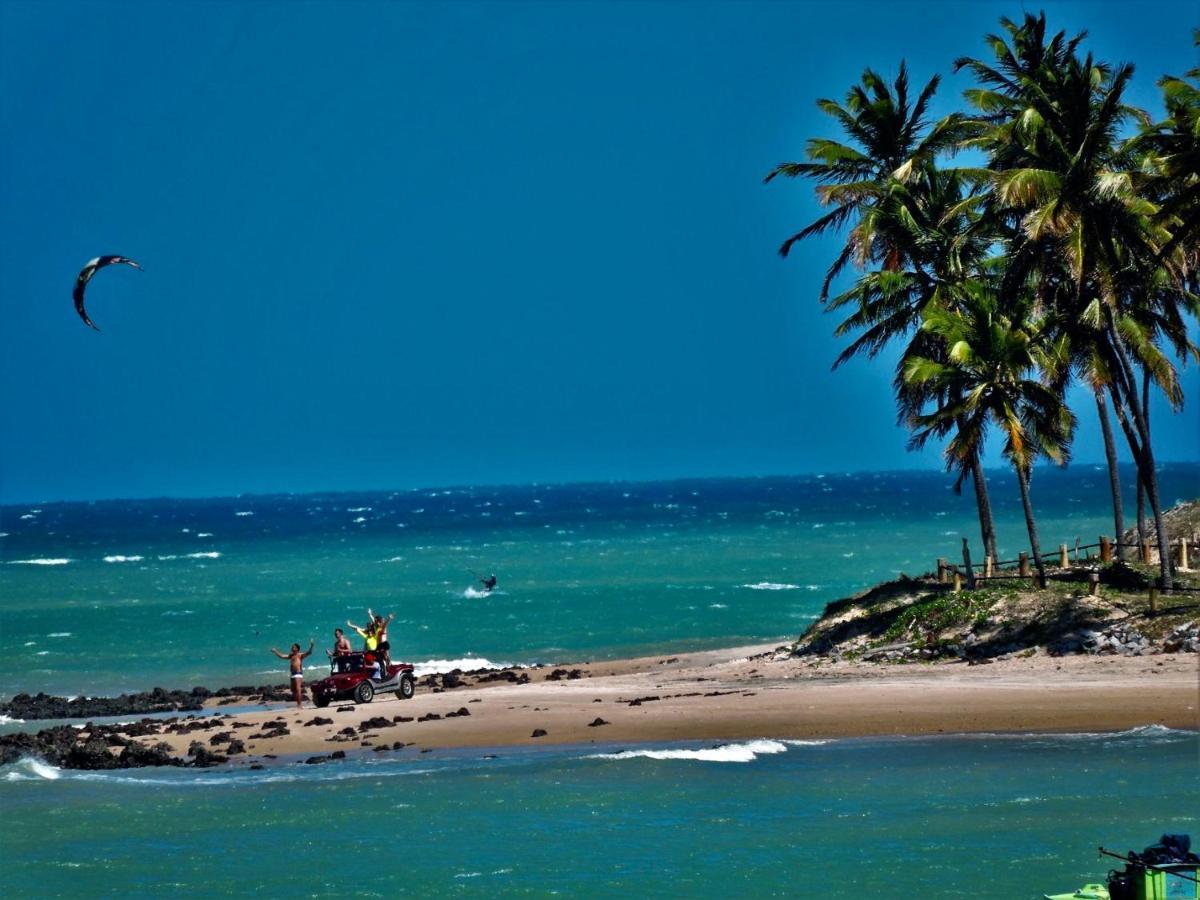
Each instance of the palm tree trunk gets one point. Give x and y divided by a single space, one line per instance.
1126 383
987 524
1114 475
1141 485
1144 457
1034 544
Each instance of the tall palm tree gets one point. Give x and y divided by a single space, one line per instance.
883 185
1050 122
991 365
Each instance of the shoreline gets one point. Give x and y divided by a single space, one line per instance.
736 694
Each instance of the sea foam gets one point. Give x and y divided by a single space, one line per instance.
734 753
38 562
466 664
771 586
121 559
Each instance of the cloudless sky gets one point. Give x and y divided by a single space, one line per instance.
400 244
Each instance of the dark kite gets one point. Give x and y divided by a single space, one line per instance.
85 276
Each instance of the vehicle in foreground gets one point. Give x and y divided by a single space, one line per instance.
1163 871
350 679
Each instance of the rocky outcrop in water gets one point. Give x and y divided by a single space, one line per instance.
158 700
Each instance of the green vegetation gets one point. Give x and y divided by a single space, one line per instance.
926 619
1070 255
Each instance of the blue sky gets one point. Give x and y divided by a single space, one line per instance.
390 244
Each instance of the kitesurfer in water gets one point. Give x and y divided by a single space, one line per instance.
489 583
296 661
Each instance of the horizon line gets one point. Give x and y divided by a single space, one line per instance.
245 495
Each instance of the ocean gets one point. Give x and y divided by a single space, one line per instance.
986 816
102 597
99 598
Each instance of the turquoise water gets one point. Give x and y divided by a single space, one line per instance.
124 595
988 816
129 594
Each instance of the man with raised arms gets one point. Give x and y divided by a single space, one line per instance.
296 661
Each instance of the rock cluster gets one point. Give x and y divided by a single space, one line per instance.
47 706
105 747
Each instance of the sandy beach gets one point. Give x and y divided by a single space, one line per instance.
735 694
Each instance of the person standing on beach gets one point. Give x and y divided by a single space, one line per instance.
296 660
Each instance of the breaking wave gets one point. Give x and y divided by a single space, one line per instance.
121 559
38 562
734 753
466 664
771 586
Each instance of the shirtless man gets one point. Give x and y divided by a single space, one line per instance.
296 659
341 644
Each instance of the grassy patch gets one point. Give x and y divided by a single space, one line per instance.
928 617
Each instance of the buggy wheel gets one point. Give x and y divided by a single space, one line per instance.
364 693
408 686
321 700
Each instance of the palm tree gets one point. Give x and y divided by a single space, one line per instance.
882 182
990 366
1084 238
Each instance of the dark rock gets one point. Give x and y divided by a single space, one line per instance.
345 709
538 732
597 722
316 760
318 720
221 737
429 717
338 754
348 731
235 747
375 722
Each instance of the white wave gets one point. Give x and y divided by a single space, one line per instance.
717 606
204 534
38 562
211 554
466 664
244 513
42 653
30 769
169 556
468 874
9 720
394 559
848 554
3 534
359 509
27 516
359 519
475 593
179 612
771 586
59 634
120 559
736 753
30 643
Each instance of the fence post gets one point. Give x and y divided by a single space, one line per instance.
1094 584
1145 553
1105 549
989 567
942 566
1023 565
957 581
1154 601
1064 559
967 564
1183 553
